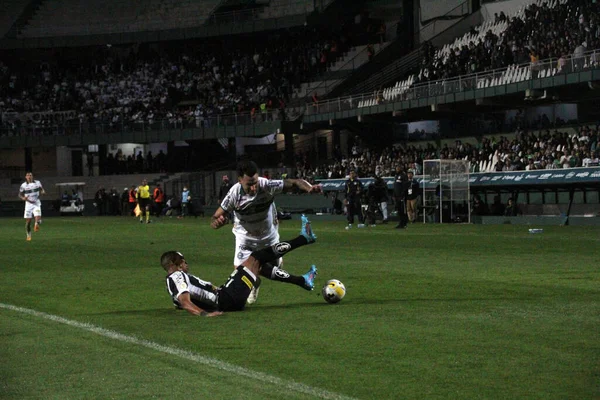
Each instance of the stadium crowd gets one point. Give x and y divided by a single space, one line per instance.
527 150
553 29
184 82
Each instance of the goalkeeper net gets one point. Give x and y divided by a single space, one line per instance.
446 196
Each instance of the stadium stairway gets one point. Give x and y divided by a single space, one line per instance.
335 75
386 68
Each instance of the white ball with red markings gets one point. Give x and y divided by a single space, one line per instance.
333 291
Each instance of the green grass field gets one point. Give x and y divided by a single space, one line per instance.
432 312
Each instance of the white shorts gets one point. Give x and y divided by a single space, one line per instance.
245 245
32 210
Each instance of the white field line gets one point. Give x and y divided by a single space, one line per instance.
187 355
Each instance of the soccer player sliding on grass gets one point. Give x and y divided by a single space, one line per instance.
200 297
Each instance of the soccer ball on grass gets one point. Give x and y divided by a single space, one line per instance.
333 291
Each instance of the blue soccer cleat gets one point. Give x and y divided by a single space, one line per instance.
309 278
307 231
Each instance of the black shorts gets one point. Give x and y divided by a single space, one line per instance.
235 292
143 203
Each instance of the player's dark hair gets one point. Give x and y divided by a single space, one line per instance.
170 257
247 167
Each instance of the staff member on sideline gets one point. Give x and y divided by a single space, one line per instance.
400 190
353 190
159 199
132 200
411 197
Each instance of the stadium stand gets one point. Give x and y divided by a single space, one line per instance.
510 48
569 147
72 17
9 12
146 83
280 8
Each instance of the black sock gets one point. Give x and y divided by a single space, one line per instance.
274 273
278 249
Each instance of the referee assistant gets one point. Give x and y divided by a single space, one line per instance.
143 200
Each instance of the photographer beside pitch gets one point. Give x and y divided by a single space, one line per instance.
251 201
199 297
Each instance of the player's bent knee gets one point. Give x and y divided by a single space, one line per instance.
252 264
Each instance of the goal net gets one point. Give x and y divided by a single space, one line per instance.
446 196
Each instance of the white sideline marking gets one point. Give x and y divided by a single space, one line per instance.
188 355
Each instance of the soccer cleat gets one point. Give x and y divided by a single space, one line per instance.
349 226
253 295
361 225
36 228
307 231
309 278
29 238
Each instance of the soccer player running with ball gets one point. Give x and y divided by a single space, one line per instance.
251 200
29 192
199 297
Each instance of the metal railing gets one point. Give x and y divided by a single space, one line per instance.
459 84
76 127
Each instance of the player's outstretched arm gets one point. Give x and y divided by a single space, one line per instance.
186 303
303 185
218 219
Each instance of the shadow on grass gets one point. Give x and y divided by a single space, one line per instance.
151 312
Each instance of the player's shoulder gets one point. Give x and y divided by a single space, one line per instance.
177 275
266 182
235 188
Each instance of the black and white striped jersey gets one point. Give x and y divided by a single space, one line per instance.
202 293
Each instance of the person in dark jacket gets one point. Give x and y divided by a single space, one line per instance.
354 190
400 192
411 197
381 196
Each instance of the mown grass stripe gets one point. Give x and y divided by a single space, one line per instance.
187 355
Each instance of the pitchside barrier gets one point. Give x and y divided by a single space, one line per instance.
557 196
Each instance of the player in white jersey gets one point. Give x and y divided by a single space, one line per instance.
30 192
251 201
